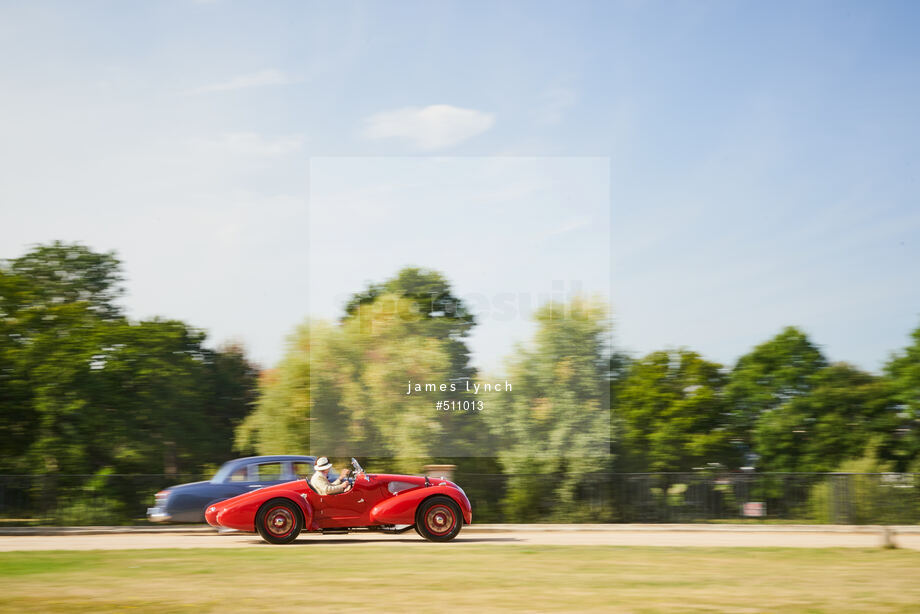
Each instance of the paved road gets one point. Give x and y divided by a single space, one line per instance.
802 536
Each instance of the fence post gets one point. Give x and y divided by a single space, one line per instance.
840 498
888 538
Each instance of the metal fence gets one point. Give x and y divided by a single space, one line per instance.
836 498
826 498
77 500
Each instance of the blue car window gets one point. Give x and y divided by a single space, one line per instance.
269 472
240 475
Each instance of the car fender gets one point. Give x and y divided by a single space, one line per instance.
400 509
240 512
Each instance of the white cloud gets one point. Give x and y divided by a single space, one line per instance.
248 144
263 78
433 127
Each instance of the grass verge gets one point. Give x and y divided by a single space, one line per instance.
480 578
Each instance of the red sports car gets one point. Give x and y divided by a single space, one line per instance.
435 507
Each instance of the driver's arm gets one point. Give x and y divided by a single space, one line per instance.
322 486
335 489
343 476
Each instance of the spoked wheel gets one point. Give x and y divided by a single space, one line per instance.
438 519
279 521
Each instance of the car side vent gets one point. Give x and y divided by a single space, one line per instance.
396 487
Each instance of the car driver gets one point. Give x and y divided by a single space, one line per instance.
320 478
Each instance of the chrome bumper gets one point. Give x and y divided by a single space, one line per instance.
156 514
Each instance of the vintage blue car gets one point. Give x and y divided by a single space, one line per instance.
188 502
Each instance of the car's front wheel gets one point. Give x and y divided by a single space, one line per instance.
438 519
279 521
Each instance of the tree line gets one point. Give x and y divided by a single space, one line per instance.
579 405
84 389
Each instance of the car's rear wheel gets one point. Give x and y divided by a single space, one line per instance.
438 519
279 521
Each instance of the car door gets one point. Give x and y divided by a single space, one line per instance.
189 503
352 508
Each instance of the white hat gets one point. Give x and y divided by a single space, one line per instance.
322 463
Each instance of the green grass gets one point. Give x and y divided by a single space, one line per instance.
420 577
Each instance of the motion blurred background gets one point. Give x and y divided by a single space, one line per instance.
686 235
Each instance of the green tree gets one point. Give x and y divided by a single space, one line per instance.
862 496
556 420
428 308
82 389
617 373
903 372
18 420
341 389
139 398
49 293
71 273
673 414
233 392
771 374
832 422
280 422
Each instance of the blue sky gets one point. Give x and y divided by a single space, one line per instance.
763 158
